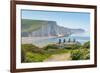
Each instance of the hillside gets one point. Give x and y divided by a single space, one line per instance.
31 25
39 28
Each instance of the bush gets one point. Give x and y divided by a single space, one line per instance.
72 46
22 55
86 53
80 54
86 45
76 55
68 47
51 46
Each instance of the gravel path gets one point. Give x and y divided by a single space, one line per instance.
59 57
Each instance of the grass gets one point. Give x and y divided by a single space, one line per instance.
29 25
35 57
32 53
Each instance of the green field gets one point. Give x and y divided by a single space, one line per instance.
29 25
32 53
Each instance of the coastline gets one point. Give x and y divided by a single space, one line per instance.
29 40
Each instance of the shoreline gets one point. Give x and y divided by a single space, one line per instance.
29 40
43 41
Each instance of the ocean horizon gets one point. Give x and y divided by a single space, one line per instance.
44 42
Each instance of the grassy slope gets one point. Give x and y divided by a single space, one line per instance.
29 25
32 53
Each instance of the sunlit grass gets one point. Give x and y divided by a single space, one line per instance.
32 53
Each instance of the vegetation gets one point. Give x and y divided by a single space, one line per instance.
32 53
72 46
87 45
51 46
32 25
35 57
80 54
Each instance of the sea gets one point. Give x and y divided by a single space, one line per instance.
44 42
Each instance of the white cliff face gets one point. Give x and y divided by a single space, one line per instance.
48 28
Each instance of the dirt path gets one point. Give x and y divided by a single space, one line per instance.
59 57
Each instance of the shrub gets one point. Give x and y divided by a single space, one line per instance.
22 55
51 46
68 47
86 53
86 45
72 46
80 54
76 55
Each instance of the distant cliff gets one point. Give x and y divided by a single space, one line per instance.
43 28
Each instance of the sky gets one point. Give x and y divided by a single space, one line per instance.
75 20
